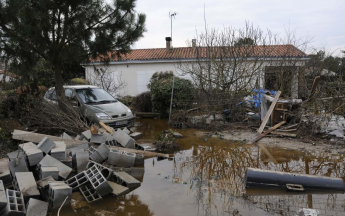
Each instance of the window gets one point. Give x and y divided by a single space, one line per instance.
95 95
51 95
69 93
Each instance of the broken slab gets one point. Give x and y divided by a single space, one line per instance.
33 153
18 165
36 208
118 190
46 145
125 179
80 161
64 170
98 138
25 183
121 158
65 136
5 174
46 171
16 205
136 135
86 135
124 139
59 151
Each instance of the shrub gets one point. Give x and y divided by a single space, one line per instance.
79 81
127 100
142 102
160 86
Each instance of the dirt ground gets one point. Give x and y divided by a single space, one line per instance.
244 135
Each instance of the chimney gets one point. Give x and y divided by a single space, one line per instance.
193 43
168 44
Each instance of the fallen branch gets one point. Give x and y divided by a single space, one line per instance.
259 136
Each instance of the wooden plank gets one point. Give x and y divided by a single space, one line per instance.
264 122
108 129
146 154
259 136
284 134
313 88
37 137
264 149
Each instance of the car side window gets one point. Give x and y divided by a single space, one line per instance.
69 93
51 95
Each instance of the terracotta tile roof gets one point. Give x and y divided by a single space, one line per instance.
185 53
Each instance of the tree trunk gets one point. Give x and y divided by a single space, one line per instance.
60 93
4 74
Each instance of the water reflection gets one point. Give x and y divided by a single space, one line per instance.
219 170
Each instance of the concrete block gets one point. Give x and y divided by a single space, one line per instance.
46 171
139 159
89 193
86 135
33 153
126 130
16 154
80 161
3 198
98 138
16 205
80 148
136 172
65 136
96 157
5 174
77 137
125 179
36 208
68 162
78 180
103 150
26 184
118 190
91 150
42 186
177 135
124 139
136 135
57 193
98 182
46 145
110 140
18 165
146 147
59 151
64 170
105 171
121 158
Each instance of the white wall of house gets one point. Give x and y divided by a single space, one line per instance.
8 78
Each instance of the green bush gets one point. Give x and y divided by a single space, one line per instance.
142 102
79 81
127 100
160 86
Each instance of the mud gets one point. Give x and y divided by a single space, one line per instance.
206 177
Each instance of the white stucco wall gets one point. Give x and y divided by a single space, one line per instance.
7 78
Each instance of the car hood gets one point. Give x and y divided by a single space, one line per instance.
111 109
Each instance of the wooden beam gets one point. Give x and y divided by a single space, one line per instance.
107 128
36 138
270 110
284 134
259 136
264 149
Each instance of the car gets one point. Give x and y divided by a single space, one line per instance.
96 105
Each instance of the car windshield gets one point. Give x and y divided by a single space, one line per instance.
95 96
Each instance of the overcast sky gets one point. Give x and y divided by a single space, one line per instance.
323 20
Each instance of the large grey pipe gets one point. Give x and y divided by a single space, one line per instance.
257 177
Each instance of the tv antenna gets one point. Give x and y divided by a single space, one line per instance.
172 14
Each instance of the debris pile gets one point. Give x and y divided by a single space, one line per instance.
45 170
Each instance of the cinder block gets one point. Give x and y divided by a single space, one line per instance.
46 171
126 130
46 145
105 171
118 190
96 157
33 153
64 170
37 208
103 150
86 135
136 135
18 165
68 161
139 159
77 137
98 182
26 184
3 198
80 148
80 161
5 174
125 179
16 154
59 151
111 140
89 193
124 139
57 193
78 180
16 205
42 186
91 150
65 136
98 138
121 158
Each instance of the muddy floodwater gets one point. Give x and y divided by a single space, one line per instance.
206 177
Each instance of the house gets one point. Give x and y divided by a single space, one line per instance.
137 67
9 76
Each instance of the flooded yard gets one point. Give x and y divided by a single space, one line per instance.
206 177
